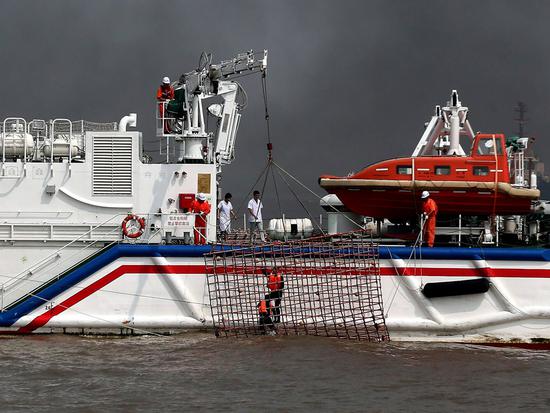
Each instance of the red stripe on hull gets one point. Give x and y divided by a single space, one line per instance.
466 272
42 319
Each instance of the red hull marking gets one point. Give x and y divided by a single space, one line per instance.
466 272
410 271
543 346
42 319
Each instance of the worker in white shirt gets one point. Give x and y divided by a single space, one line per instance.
255 217
225 213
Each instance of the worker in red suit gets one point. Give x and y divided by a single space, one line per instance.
429 210
165 93
275 284
201 208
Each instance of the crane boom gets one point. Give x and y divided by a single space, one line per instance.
187 124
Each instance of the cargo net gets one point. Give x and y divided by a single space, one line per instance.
321 286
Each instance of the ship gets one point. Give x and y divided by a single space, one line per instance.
97 237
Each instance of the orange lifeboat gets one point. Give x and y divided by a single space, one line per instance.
477 184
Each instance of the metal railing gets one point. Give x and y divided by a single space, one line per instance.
157 227
44 263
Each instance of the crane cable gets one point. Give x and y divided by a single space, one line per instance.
272 164
270 150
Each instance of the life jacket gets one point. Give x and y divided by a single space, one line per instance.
429 207
262 307
165 93
274 282
200 208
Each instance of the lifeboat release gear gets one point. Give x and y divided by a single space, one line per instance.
133 226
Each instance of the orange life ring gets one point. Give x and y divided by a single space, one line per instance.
140 230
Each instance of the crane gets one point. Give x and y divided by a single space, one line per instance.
186 112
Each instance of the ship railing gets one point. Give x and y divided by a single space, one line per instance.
18 126
169 128
168 123
45 263
159 228
41 131
78 126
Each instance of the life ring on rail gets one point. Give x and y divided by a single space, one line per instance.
136 227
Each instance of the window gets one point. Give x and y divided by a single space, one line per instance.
486 146
225 123
404 169
481 170
442 170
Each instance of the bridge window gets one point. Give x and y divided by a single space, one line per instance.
486 146
442 170
481 170
404 169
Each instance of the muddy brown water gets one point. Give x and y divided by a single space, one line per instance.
197 372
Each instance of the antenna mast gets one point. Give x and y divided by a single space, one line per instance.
521 109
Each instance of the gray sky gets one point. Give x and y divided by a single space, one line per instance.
350 82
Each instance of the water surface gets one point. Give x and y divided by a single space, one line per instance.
196 371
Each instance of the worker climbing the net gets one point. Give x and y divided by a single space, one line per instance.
275 285
267 327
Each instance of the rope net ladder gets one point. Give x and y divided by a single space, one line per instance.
328 286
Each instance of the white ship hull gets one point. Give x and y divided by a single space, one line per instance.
139 289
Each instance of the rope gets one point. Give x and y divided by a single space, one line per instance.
119 325
316 195
264 92
103 290
251 189
413 252
301 203
278 201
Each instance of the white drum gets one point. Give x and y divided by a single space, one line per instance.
61 147
16 143
296 228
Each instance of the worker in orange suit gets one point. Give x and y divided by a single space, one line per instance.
264 313
201 208
275 284
165 93
429 210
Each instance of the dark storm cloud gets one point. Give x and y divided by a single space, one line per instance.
350 82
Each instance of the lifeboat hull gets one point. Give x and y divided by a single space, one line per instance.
401 204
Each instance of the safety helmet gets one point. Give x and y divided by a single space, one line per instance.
201 197
425 194
166 80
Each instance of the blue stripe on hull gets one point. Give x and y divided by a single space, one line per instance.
456 253
10 316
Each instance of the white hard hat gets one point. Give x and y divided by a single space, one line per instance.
166 80
201 196
425 194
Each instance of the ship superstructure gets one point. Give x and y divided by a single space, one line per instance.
67 186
